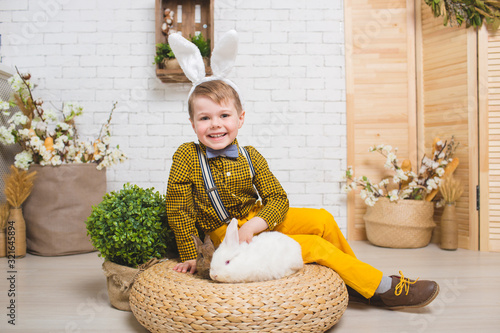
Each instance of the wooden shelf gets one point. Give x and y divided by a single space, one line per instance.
196 16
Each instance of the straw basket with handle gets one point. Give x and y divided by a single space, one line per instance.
400 224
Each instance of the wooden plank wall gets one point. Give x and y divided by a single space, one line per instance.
380 80
448 106
492 83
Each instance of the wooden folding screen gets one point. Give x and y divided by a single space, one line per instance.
447 105
381 105
410 79
489 134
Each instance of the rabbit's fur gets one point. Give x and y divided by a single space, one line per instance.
270 255
205 252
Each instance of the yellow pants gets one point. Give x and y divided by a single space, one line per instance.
322 242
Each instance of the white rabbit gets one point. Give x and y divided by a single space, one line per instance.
270 255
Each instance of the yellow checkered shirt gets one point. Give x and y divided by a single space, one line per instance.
188 205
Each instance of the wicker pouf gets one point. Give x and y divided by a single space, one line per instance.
312 300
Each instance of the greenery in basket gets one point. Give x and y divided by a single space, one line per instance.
49 137
163 50
129 226
407 184
472 12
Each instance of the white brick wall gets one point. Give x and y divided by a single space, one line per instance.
290 69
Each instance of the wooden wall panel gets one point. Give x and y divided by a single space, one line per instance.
381 106
448 106
491 81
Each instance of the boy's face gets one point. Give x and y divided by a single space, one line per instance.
216 125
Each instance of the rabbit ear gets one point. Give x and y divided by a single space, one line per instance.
197 242
189 57
232 239
224 54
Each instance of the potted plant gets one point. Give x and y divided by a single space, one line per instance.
400 211
128 228
71 171
166 58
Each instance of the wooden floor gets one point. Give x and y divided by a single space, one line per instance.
68 294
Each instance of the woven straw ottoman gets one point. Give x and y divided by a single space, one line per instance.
311 300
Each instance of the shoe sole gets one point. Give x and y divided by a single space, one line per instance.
421 305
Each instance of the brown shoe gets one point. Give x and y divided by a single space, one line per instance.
404 293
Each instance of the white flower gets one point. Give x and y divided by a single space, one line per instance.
36 143
363 194
50 115
401 174
72 109
387 149
24 134
393 195
23 160
413 184
60 143
440 172
370 201
431 185
6 136
56 160
4 106
18 119
63 126
16 83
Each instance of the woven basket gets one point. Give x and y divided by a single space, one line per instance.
312 300
403 224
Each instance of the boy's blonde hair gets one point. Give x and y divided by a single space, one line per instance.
216 90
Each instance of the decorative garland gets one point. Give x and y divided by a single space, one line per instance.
472 12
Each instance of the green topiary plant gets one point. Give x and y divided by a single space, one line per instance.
163 50
129 227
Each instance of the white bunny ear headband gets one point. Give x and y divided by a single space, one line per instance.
222 60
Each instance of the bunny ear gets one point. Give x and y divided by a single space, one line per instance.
224 54
189 57
197 242
232 239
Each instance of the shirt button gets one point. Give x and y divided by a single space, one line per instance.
228 174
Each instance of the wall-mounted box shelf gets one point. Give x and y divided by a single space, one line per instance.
190 17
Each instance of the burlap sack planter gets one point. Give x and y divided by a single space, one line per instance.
402 224
58 207
119 280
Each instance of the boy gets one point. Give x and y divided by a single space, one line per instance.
216 115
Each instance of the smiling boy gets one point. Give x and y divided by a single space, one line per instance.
216 115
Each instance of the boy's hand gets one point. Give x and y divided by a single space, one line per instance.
250 228
186 266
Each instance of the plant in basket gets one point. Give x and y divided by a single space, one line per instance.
400 209
129 228
71 171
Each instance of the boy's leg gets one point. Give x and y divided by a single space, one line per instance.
323 242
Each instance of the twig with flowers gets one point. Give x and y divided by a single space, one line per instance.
47 138
406 184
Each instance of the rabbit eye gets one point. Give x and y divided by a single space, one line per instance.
227 262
